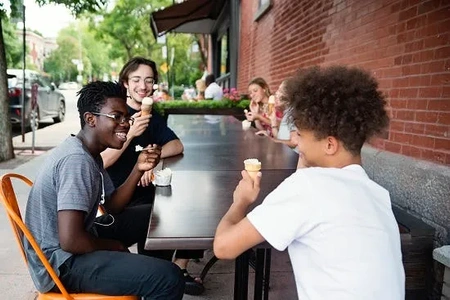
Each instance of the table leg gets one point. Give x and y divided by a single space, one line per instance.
259 274
268 257
241 276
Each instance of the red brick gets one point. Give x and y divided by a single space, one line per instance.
406 115
427 6
440 79
408 93
419 104
446 92
408 14
442 144
439 105
444 118
393 147
423 141
401 138
430 92
434 156
416 128
442 53
437 130
398 126
411 151
426 117
433 67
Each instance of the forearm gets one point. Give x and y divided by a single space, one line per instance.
172 148
86 243
123 194
285 142
234 215
110 156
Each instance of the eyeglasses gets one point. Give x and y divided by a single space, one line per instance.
119 119
148 80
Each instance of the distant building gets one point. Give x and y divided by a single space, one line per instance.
39 47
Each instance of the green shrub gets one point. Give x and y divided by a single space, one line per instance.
212 104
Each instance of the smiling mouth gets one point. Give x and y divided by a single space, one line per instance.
122 136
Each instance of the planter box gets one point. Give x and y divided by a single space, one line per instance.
238 113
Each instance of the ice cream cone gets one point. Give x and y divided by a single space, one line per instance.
271 105
146 106
252 166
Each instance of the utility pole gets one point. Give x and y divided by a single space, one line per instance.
24 78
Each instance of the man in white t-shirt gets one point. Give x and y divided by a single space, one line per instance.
213 90
337 224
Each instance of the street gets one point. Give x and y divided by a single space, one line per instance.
71 108
45 141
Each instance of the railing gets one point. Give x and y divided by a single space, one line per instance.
224 81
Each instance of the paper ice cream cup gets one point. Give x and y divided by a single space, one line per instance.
246 124
163 177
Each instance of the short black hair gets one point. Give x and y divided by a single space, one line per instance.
133 64
210 79
92 97
338 101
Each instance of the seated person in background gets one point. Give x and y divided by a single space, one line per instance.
213 90
91 256
165 95
201 86
138 76
259 93
336 222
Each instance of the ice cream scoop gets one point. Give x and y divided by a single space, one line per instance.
146 106
252 166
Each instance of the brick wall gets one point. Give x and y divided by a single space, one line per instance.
404 43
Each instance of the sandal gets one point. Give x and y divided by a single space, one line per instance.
193 285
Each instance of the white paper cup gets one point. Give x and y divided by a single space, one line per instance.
162 180
246 124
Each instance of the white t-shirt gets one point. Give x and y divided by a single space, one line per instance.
214 91
341 234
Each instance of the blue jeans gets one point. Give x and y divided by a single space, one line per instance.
122 273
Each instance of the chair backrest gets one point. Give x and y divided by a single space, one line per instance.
9 200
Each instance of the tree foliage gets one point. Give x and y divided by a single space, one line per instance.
77 7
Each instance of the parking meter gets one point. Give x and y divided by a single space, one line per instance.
34 93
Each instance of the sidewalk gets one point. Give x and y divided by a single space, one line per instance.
15 282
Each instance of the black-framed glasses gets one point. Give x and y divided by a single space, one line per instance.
119 119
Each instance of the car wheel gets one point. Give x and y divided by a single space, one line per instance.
34 124
61 112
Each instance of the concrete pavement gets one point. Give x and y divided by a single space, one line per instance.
15 282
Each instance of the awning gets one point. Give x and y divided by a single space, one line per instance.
191 16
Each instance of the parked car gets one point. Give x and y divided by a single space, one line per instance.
72 85
50 101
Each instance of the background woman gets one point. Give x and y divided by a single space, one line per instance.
259 93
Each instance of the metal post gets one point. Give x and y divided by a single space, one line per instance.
24 66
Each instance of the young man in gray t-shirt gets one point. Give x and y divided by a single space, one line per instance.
88 256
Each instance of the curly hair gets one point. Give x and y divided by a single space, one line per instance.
93 96
338 101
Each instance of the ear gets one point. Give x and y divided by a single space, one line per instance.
331 145
89 119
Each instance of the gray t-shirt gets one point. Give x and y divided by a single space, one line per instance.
284 132
70 179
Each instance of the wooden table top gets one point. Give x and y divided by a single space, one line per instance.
193 205
186 214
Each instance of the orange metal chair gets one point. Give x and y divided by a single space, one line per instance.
9 201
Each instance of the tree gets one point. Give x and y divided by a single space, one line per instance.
77 7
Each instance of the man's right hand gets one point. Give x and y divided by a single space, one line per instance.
139 125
